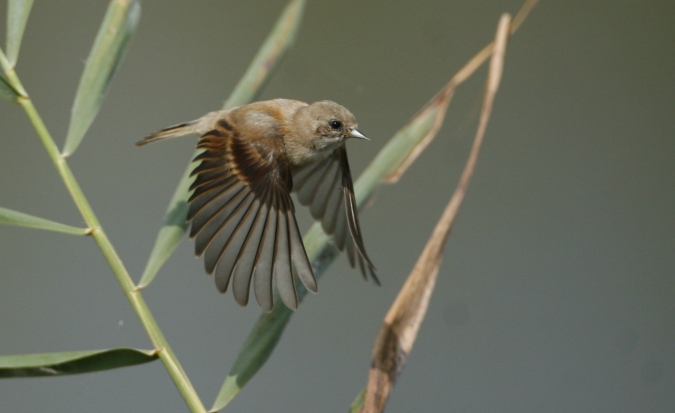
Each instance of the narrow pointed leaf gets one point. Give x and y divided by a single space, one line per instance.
11 217
171 233
401 325
390 163
109 48
258 347
278 42
275 47
17 16
357 404
7 92
72 362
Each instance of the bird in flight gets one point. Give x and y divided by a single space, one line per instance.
241 214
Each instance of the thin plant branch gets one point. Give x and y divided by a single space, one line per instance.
167 356
401 325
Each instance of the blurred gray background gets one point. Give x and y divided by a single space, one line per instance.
556 293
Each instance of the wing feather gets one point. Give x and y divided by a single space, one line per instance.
223 247
209 212
335 201
262 273
329 184
327 188
282 264
243 268
299 255
243 219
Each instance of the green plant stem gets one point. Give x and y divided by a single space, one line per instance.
167 356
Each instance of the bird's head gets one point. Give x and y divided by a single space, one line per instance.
323 126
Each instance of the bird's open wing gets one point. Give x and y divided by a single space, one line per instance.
326 187
243 218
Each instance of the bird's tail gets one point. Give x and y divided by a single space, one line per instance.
185 128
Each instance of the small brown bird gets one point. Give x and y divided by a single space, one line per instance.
241 213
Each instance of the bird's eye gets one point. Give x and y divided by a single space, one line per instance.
335 124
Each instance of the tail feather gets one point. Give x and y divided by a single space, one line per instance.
198 126
185 128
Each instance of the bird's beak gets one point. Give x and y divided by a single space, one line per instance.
354 133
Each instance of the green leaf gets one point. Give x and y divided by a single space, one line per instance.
256 350
11 217
17 15
72 362
171 233
392 159
109 48
266 61
274 48
357 404
8 92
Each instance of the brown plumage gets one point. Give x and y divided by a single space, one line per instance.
241 213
